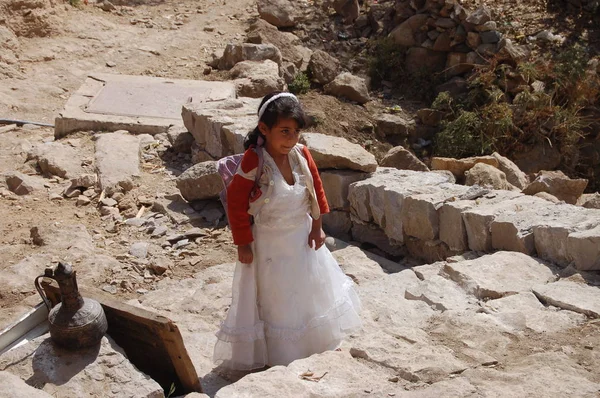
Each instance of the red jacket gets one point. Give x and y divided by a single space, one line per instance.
238 196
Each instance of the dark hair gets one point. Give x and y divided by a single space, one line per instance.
281 108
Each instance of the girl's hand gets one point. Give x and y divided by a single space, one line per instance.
317 236
245 255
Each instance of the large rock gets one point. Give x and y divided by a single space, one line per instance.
380 198
402 159
394 126
558 184
485 175
257 78
500 274
281 13
201 181
117 161
290 45
323 67
349 86
453 230
584 248
220 128
589 200
458 167
404 34
102 370
420 212
235 53
338 153
56 158
180 139
478 220
22 184
513 174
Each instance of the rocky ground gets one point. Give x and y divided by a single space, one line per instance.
441 329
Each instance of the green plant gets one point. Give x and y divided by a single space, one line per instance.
386 61
463 137
300 84
171 391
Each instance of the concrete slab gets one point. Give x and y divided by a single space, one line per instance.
138 104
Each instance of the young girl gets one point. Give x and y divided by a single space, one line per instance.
290 298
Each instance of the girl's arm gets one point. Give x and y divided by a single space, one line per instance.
238 201
320 192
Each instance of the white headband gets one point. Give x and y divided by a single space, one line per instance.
273 98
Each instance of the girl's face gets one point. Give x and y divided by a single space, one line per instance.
282 137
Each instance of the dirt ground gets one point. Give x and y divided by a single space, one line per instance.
157 38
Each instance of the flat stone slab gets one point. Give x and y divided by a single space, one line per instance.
139 104
524 311
100 371
12 386
499 274
571 296
117 161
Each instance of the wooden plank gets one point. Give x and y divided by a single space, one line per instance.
152 342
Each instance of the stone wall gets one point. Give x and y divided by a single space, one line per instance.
441 35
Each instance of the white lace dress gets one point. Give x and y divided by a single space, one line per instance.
292 301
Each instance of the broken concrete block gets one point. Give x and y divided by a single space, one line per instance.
420 216
138 104
117 161
583 247
336 184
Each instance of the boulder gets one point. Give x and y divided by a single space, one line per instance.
513 174
402 159
458 167
480 16
557 184
323 67
430 117
584 248
394 125
201 181
338 153
404 34
290 45
281 13
257 78
485 175
349 86
235 53
348 9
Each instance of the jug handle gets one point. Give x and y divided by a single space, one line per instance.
41 292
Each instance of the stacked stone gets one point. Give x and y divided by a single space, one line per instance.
441 35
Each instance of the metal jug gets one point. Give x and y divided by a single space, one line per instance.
76 322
